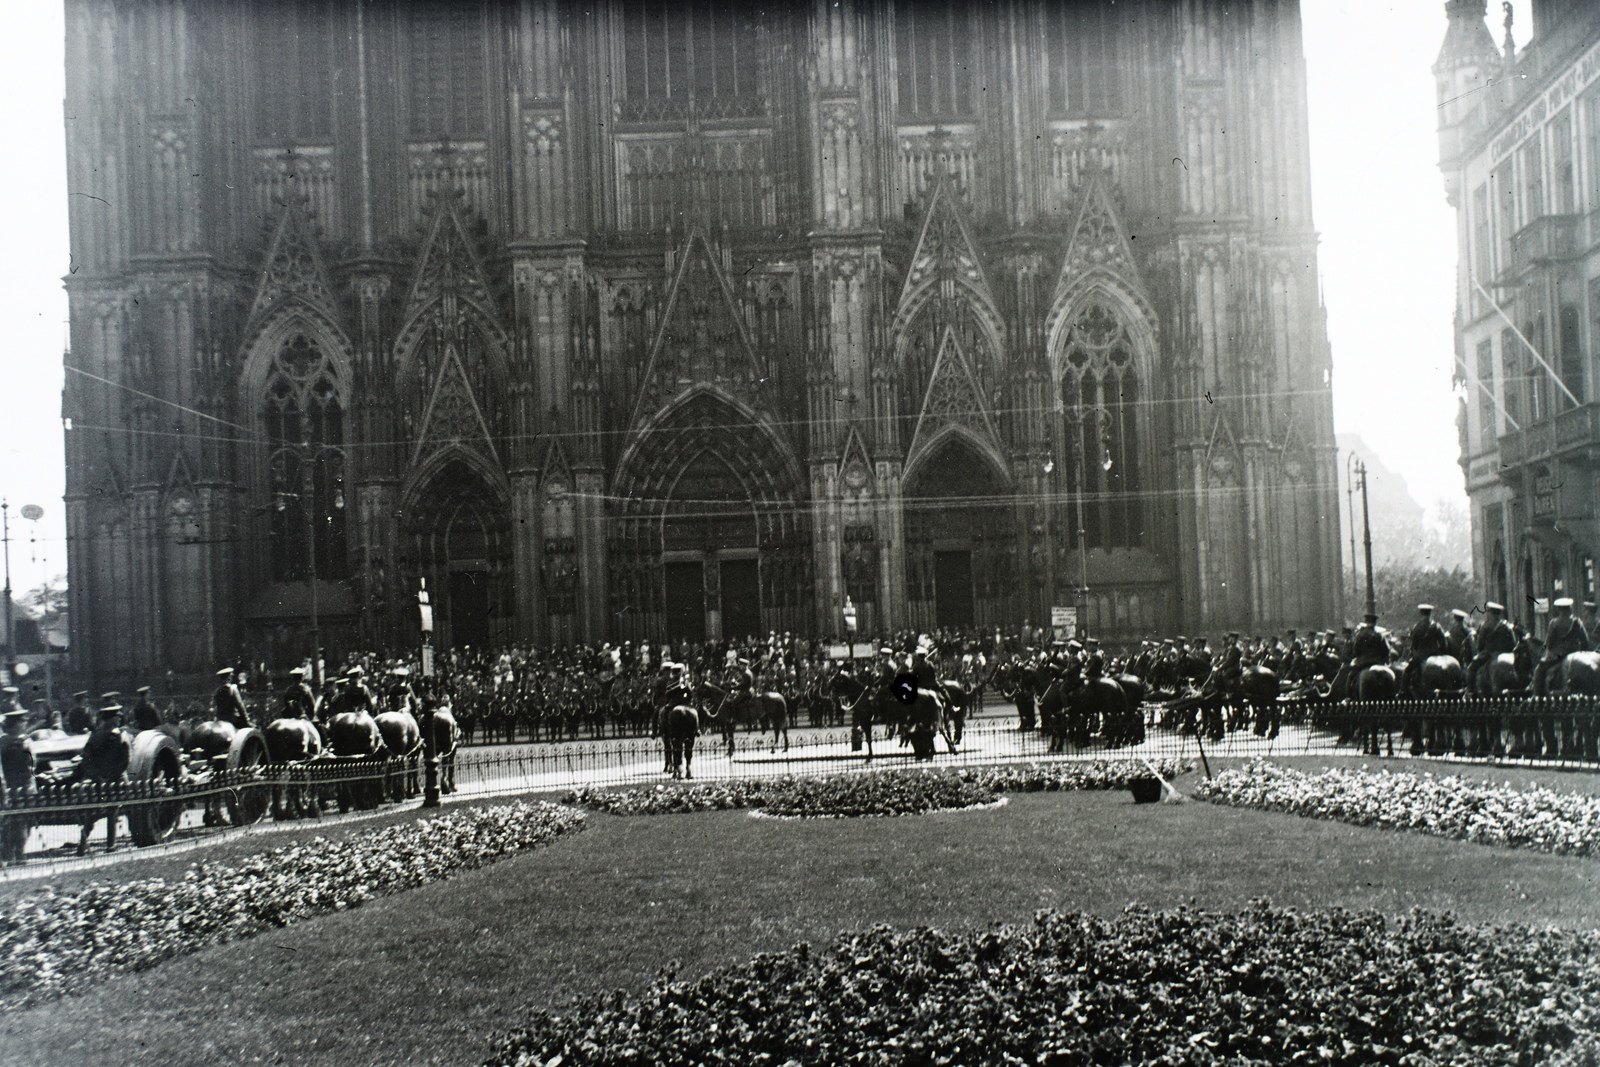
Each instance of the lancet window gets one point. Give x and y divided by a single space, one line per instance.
449 69
1083 61
296 59
1100 394
707 50
936 58
304 420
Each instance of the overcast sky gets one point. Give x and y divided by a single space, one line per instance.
1388 249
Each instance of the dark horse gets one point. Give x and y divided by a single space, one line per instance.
678 725
766 710
864 704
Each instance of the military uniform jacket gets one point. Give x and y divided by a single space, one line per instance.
927 678
1369 647
105 756
299 702
1461 644
16 762
230 705
1495 638
1566 636
145 716
1428 639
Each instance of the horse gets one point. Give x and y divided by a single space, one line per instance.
354 735
212 740
957 699
678 725
861 702
1131 728
1377 682
1438 677
403 738
293 741
1258 691
766 710
446 736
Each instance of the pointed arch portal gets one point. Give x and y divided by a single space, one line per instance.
960 536
459 534
707 541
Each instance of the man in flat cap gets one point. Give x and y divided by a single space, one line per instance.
16 776
1427 639
299 702
104 760
228 701
1460 636
1495 636
80 720
145 715
1565 636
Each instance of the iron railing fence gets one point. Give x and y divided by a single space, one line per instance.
1554 731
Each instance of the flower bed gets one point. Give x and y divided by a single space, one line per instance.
59 942
898 792
1264 986
1539 818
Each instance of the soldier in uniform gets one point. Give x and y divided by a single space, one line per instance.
1427 639
1565 636
1591 622
79 719
1460 637
17 777
1496 636
228 701
1368 647
299 702
105 759
145 715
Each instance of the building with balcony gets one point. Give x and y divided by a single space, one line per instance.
1519 140
644 319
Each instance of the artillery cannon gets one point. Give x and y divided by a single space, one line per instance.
159 767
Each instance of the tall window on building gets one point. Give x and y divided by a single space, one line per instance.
936 58
296 56
448 69
710 49
1570 353
1485 393
1482 263
1505 192
1591 146
1083 64
305 433
1100 391
1532 181
1511 376
1563 168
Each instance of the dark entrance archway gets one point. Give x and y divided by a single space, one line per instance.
708 541
459 536
960 533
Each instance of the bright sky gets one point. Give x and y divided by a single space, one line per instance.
1388 249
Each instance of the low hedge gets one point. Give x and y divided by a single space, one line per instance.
61 941
1264 986
1537 818
895 792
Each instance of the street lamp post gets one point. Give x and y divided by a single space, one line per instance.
1350 464
850 630
5 537
430 740
1366 540
308 454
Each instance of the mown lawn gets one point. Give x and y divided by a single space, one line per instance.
428 976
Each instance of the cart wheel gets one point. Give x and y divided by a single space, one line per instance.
249 801
156 760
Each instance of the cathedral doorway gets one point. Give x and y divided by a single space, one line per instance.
960 537
460 540
707 542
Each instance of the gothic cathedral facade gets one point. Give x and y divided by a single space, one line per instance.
645 319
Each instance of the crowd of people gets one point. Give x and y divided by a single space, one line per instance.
526 693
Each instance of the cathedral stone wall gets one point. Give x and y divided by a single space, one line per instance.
637 319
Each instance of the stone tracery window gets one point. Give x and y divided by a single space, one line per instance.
304 419
936 59
1083 64
1100 394
708 51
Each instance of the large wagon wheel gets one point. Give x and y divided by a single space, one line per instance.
156 762
248 803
